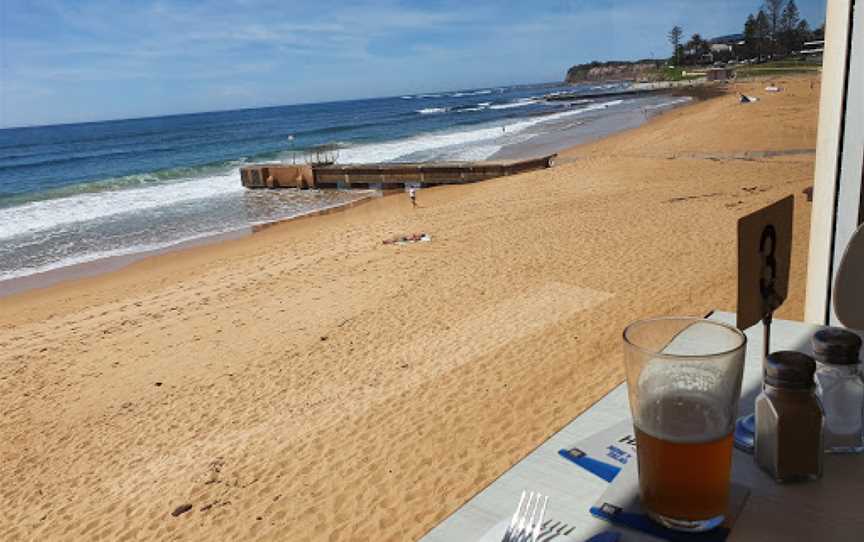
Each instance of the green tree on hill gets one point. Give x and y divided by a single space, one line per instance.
803 33
789 20
763 34
696 47
819 33
790 17
757 32
749 48
774 11
674 37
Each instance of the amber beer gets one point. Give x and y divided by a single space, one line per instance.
685 456
684 382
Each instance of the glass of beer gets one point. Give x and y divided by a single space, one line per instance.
684 381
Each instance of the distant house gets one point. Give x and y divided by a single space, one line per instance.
724 47
720 49
729 39
813 49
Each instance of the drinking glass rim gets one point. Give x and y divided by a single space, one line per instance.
694 320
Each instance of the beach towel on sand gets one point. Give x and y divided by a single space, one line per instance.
405 239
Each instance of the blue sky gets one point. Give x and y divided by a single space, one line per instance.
92 60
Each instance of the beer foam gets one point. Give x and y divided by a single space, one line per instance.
684 416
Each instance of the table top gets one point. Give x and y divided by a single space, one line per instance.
828 509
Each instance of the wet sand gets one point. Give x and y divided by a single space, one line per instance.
310 383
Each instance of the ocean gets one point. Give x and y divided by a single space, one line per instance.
82 192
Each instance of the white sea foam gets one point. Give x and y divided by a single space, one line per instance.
473 93
148 247
669 103
384 152
608 85
432 110
520 103
102 254
478 152
42 215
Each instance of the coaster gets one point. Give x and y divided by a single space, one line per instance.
605 453
620 505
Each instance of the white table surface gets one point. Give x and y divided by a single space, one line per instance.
829 509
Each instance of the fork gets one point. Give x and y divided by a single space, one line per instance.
526 521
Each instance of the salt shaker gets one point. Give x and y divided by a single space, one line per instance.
840 388
789 418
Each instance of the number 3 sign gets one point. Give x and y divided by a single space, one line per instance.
764 252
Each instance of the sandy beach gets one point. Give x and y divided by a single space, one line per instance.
311 383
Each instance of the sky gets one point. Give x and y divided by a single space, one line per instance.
77 61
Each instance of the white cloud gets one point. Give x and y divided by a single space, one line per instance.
94 52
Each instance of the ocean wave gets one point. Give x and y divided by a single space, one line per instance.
306 207
608 85
429 96
394 150
49 213
519 103
470 107
432 110
470 93
20 155
103 254
130 137
670 103
477 152
135 180
78 157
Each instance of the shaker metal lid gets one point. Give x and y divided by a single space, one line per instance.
836 346
788 369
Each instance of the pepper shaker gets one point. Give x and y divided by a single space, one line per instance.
789 419
840 389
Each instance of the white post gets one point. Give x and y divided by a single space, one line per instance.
850 175
832 103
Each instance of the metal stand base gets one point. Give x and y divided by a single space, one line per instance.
745 433
686 525
745 427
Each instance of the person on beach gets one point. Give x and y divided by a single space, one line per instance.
412 193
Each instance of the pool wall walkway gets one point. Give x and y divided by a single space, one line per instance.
385 175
